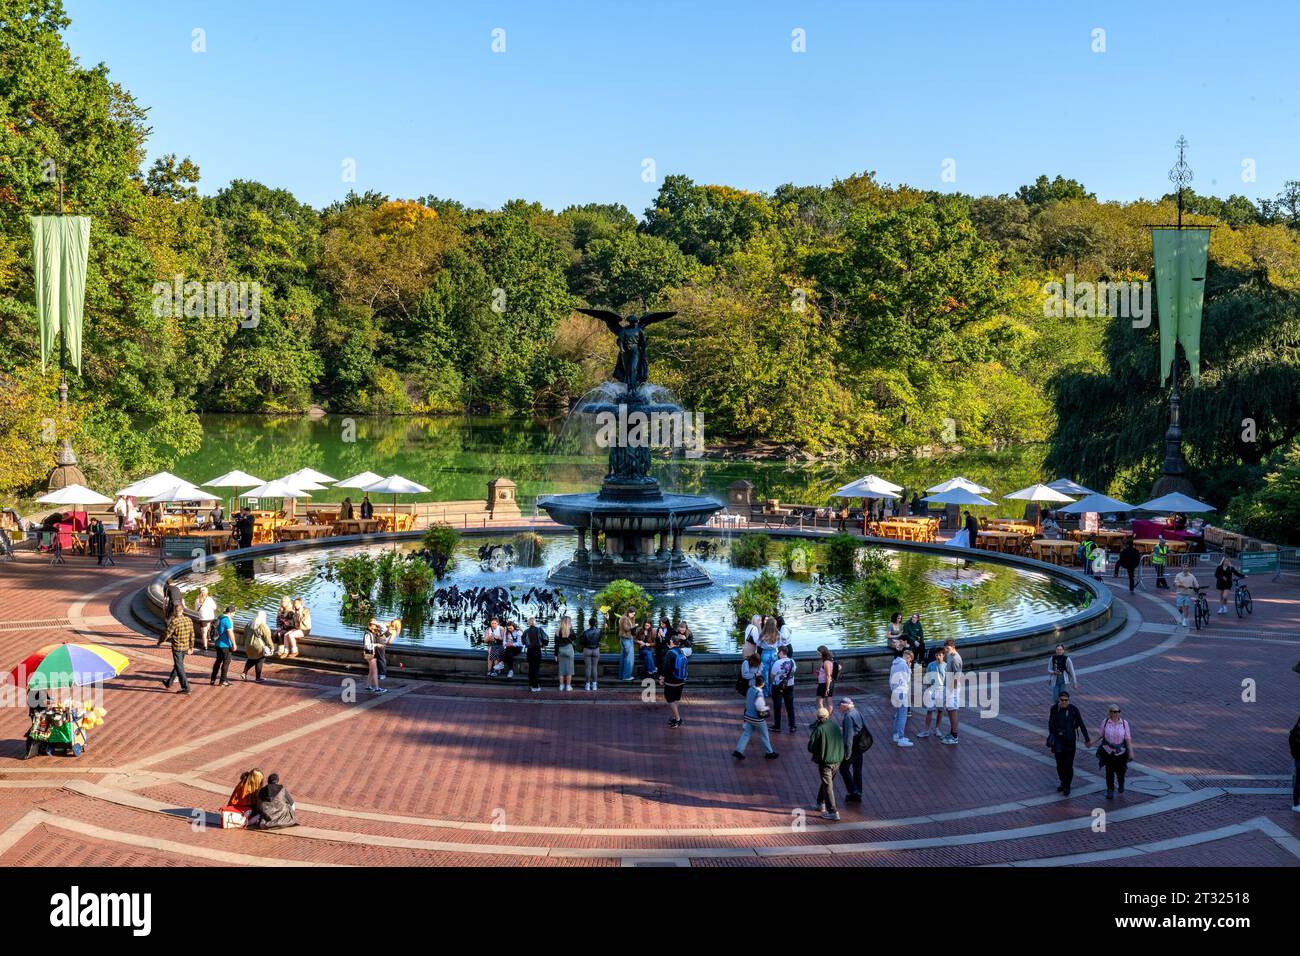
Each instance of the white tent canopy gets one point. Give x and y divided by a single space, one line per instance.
868 487
154 484
302 483
234 479
958 496
1066 486
74 495
958 482
359 481
311 474
1038 493
1101 504
183 491
1175 502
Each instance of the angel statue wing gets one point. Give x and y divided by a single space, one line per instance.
612 319
651 317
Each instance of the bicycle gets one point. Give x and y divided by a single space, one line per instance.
1242 599
1202 607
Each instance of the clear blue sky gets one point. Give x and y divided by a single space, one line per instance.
289 89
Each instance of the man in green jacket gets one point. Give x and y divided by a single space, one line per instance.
827 748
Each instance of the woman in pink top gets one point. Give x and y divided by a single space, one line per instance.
1116 749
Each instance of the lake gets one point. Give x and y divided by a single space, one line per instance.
456 456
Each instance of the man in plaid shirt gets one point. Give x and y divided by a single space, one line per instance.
180 635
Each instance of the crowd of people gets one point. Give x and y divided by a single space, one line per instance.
212 631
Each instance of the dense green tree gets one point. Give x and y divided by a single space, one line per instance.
1044 191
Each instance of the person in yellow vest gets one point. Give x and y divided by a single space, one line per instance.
1159 558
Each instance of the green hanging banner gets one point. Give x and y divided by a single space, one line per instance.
1180 257
60 248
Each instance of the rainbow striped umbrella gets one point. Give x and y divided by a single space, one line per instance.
67 665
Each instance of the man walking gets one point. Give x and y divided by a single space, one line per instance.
827 748
852 727
180 635
1129 559
900 692
1064 724
534 641
1185 588
953 689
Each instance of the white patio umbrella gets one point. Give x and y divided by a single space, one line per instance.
1102 504
311 474
395 485
182 492
234 479
1066 486
276 489
1038 493
154 484
300 481
955 483
1175 502
75 495
359 481
959 496
868 487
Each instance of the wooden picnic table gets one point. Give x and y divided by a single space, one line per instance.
300 532
904 530
1106 537
358 525
1011 524
216 540
1053 550
1148 545
1000 540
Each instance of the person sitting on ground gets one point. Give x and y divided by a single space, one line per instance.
245 793
274 806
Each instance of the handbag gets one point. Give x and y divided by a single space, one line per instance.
742 685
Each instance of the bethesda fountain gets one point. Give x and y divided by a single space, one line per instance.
631 528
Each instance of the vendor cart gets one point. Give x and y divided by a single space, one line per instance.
56 730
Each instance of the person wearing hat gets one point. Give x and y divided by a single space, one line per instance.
1064 725
851 725
826 744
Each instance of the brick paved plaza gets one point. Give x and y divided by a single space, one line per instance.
490 775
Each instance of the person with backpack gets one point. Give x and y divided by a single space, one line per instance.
1085 553
534 640
1060 672
857 741
782 690
1159 558
258 646
755 722
826 744
828 671
675 672
591 651
900 692
1064 724
225 645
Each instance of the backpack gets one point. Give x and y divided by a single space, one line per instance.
679 666
742 685
835 670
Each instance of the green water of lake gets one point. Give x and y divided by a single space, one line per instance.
455 457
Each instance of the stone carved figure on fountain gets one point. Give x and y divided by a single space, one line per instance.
633 366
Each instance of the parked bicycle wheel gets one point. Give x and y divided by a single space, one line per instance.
1244 604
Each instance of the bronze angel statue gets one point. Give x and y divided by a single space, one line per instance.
633 367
